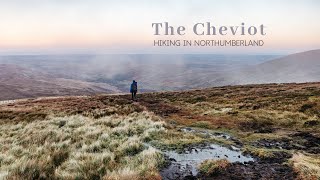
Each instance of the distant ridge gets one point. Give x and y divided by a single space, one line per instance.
298 67
17 82
41 76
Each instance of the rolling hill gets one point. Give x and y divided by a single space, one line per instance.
299 67
17 82
53 75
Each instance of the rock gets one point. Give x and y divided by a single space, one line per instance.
62 123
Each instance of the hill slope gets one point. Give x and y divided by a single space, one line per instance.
299 67
17 82
170 135
34 76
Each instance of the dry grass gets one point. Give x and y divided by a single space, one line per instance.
260 152
96 137
212 167
285 119
78 147
307 166
251 137
172 139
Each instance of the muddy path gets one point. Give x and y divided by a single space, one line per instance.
183 164
304 141
243 165
255 170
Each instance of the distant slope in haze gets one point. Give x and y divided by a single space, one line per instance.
17 82
299 67
28 76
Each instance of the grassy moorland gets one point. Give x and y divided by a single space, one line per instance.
111 137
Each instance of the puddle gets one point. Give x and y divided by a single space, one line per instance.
186 164
205 133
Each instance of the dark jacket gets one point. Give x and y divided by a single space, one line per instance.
134 87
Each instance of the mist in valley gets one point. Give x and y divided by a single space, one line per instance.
54 75
154 72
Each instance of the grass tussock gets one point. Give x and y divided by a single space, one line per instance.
174 140
266 118
262 153
79 147
307 166
212 167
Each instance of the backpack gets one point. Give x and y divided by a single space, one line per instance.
134 86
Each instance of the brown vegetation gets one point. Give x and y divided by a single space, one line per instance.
267 121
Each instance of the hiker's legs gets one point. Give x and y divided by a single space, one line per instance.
134 94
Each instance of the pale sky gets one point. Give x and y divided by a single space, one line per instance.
105 26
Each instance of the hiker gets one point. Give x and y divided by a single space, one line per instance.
134 89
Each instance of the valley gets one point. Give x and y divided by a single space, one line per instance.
30 76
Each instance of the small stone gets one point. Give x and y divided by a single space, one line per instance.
62 123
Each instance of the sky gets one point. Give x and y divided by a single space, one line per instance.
124 26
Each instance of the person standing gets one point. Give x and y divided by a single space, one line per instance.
134 89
